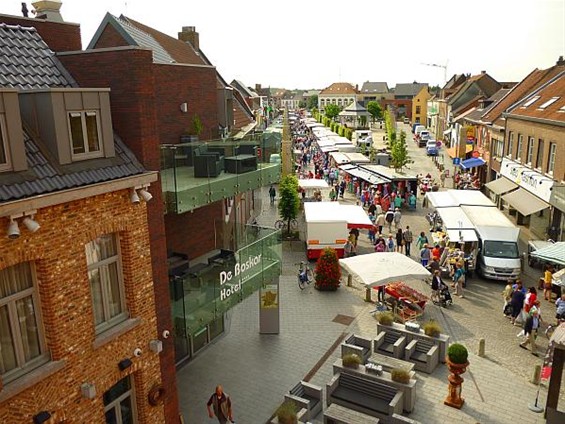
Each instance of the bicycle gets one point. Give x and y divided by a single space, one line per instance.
305 275
280 224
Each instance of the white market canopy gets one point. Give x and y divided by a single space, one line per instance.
389 173
354 216
358 158
376 269
339 158
554 253
454 218
312 183
467 236
451 198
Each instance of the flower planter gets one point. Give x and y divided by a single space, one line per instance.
454 398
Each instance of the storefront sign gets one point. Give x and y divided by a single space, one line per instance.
239 268
470 131
536 183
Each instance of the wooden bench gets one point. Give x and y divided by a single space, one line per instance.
337 414
424 354
390 343
358 345
307 396
364 395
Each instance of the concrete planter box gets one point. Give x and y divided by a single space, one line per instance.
408 390
300 417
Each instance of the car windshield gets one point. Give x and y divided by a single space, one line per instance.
501 249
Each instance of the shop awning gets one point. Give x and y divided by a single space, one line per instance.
312 183
524 202
472 163
466 235
501 185
452 151
367 176
554 253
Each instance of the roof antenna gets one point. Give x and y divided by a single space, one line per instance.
25 12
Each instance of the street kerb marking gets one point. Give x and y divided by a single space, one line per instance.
325 357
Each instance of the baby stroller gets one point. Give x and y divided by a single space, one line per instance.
445 298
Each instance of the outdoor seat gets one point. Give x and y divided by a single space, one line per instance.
390 343
424 354
207 163
307 396
360 346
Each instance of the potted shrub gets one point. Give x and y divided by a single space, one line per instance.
385 318
400 375
457 364
432 328
286 413
192 133
328 272
351 360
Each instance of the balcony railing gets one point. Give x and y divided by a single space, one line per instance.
198 173
207 290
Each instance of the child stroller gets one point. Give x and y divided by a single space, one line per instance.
445 298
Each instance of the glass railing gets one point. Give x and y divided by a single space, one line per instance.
211 288
197 173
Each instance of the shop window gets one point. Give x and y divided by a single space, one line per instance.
85 134
530 152
22 344
510 144
551 158
539 156
106 281
418 109
119 403
519 147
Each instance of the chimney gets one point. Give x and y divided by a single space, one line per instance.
257 87
483 72
560 61
48 10
189 34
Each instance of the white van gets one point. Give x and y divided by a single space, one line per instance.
360 135
419 129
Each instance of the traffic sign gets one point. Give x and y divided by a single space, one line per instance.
456 161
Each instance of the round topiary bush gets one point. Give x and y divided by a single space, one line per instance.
351 360
400 375
457 353
385 318
432 328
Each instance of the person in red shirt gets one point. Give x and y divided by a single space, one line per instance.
436 253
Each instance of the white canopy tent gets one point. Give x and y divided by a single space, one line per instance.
450 198
339 158
376 269
554 253
454 219
354 216
312 183
358 158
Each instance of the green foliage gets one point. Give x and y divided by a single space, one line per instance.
432 328
286 413
340 131
332 110
351 360
197 126
348 133
457 353
385 318
302 104
328 272
312 102
400 375
375 109
399 152
289 203
363 121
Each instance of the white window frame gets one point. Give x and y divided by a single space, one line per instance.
530 151
115 404
87 154
539 160
510 144
7 165
551 157
519 147
102 265
10 303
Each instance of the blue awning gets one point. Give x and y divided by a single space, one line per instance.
472 163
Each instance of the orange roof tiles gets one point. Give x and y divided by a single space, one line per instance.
339 88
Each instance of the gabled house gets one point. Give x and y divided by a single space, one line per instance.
443 118
79 335
402 102
372 91
339 93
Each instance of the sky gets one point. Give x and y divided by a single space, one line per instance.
312 44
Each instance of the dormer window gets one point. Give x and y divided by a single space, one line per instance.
4 156
85 134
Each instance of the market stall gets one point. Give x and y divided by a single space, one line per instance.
313 188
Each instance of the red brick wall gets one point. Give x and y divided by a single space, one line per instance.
58 250
193 233
176 84
134 119
110 38
60 37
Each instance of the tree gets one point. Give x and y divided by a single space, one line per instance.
289 203
399 152
302 104
312 102
375 109
328 272
363 121
332 110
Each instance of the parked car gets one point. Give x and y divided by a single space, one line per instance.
406 121
423 138
432 148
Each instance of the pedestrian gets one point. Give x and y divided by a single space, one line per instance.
397 217
547 281
436 285
219 405
517 302
436 253
380 246
390 244
459 280
421 240
389 218
442 178
425 255
349 249
372 209
531 326
272 194
506 296
332 194
408 237
530 299
372 232
560 311
381 293
380 222
398 201
399 240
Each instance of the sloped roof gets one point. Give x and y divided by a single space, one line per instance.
484 84
535 79
374 87
550 105
30 63
339 88
408 89
26 62
242 88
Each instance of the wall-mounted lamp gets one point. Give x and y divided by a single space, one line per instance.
41 417
13 231
124 364
140 191
145 194
184 107
134 197
88 390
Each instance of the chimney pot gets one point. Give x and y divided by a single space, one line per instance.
483 72
189 35
48 10
560 61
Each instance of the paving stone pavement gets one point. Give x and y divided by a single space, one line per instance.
256 370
